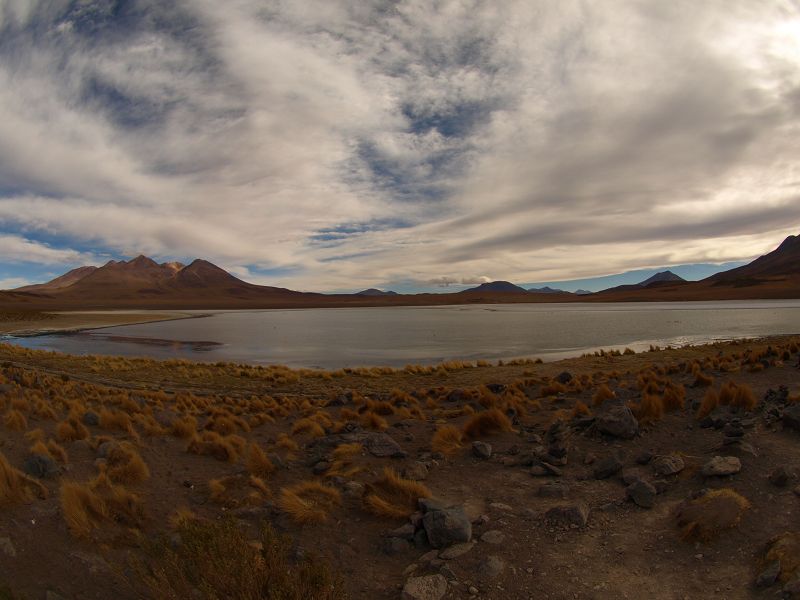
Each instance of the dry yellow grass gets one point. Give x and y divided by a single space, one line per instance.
308 427
447 439
226 448
71 430
704 518
17 487
308 502
393 496
184 428
14 420
88 506
602 394
258 463
125 465
486 423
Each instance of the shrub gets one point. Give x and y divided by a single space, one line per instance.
393 496
308 502
552 389
703 518
220 561
487 422
447 439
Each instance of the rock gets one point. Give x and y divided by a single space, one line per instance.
428 587
719 466
644 458
564 377
482 450
457 395
354 489
769 575
394 545
568 515
791 417
91 418
631 475
321 467
491 567
426 504
416 471
40 466
421 539
51 595
6 547
405 532
456 550
493 536
543 469
618 421
553 489
381 445
606 467
780 477
643 493
670 464
447 526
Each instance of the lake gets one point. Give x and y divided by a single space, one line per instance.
396 336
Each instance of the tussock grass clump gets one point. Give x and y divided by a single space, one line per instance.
552 388
486 423
393 496
308 502
16 487
114 420
709 403
704 518
71 430
447 439
125 465
374 421
580 410
184 428
222 561
14 420
308 427
343 451
258 463
226 448
739 395
88 506
602 394
786 549
702 380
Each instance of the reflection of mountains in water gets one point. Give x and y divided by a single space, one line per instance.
194 346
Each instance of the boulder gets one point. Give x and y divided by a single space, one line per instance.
447 526
606 467
40 466
670 464
642 493
719 466
618 421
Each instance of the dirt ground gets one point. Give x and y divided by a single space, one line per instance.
622 550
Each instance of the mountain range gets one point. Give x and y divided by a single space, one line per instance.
143 283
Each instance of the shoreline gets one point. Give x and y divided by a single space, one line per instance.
64 322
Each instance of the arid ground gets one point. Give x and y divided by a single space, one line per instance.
593 477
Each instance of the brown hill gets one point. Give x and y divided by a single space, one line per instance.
62 281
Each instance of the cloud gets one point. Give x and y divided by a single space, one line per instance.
339 144
15 249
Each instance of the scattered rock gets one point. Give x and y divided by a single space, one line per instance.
405 532
670 464
608 466
569 515
720 466
780 477
447 526
456 550
482 450
544 469
321 467
416 471
643 493
493 536
40 466
644 458
6 547
564 377
618 421
769 575
428 587
91 418
553 489
491 567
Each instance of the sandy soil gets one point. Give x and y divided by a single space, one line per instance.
621 551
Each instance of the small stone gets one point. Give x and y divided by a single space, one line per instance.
447 526
493 537
473 591
544 469
501 506
405 532
40 466
6 547
553 489
769 575
456 550
416 471
428 587
629 476
671 464
606 467
482 450
618 421
394 545
91 418
491 567
720 466
568 515
321 467
642 492
644 457
780 477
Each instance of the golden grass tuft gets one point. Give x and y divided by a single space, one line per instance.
184 428
374 421
487 422
602 394
447 439
181 516
14 420
343 451
580 410
704 518
308 427
16 487
258 463
88 506
709 403
71 430
393 496
786 549
703 380
552 388
226 448
125 465
308 502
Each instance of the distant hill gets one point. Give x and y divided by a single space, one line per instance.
496 286
63 281
547 290
376 292
663 277
583 293
781 263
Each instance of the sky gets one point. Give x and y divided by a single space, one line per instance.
334 145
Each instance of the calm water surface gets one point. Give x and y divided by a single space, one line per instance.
396 336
